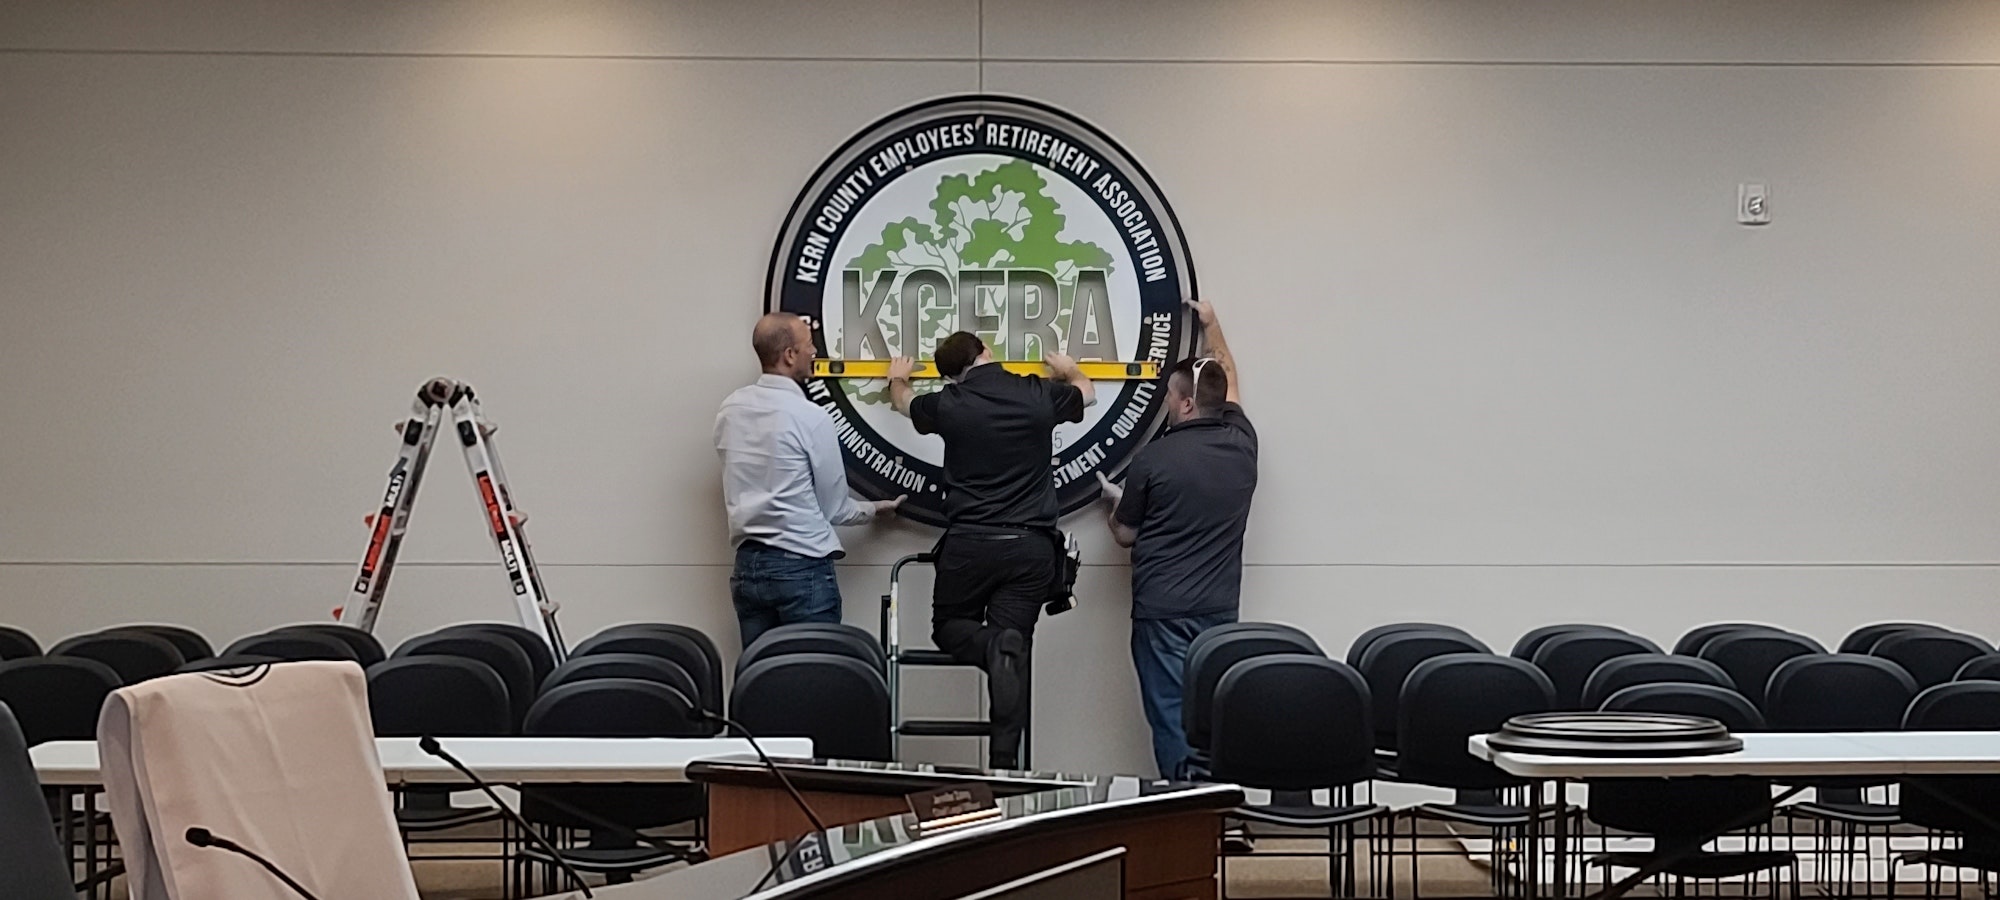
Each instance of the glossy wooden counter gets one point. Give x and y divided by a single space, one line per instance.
1171 832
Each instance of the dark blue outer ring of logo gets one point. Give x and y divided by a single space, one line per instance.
783 292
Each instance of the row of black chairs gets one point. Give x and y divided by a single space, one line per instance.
826 682
823 682
1266 709
836 672
493 680
1743 656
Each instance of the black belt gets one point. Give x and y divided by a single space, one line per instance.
983 532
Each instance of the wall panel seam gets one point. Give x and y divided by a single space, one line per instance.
414 54
1515 63
467 564
979 58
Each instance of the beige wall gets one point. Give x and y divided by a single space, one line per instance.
1512 358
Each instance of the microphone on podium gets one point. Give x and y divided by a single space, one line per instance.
736 726
202 837
776 772
430 745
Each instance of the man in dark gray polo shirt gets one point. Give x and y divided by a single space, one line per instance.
997 562
1182 510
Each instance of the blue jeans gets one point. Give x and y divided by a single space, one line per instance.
1159 652
773 587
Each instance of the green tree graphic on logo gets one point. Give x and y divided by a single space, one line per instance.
1000 218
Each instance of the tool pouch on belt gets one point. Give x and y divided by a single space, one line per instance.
1068 558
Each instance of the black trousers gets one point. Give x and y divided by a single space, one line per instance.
988 583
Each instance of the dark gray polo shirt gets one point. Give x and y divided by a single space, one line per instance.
997 428
1188 495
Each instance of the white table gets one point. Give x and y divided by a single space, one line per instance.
502 760
1885 754
1784 756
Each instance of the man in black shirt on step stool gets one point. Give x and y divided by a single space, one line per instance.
997 564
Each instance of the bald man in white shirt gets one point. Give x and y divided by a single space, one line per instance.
785 487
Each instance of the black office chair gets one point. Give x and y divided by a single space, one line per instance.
367 649
1931 657
614 707
294 646
814 637
33 865
1963 805
700 639
1751 656
1980 668
622 665
1387 663
135 656
226 662
440 696
17 644
1204 670
57 698
685 647
1368 638
1229 628
1677 811
190 643
1974 706
1621 672
1862 640
444 697
1569 659
1292 724
1691 643
496 651
1690 698
1838 692
840 702
1525 647
1444 701
541 657
1841 692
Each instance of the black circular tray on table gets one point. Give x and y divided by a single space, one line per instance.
1614 734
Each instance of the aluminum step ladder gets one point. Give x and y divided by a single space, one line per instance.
900 656
505 522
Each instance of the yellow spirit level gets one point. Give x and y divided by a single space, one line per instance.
879 368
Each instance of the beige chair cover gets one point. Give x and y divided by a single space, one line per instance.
280 759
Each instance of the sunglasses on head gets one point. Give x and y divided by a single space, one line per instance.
1194 390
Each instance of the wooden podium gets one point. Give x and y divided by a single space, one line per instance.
1170 833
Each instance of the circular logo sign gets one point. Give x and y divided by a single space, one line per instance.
999 216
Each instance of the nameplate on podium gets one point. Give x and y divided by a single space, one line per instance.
953 806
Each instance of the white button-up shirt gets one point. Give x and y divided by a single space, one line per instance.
782 478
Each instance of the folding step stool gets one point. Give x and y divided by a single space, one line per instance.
899 656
